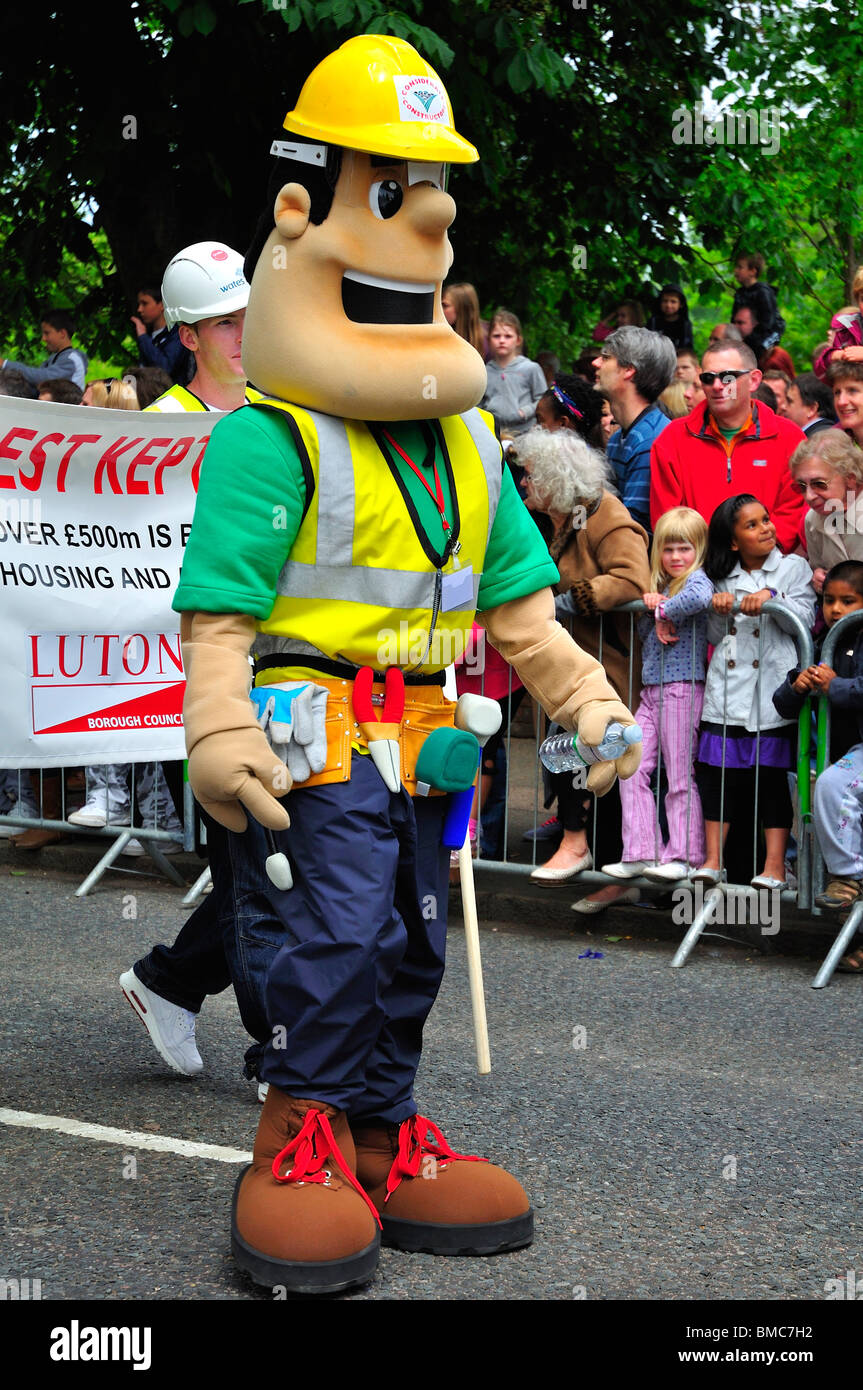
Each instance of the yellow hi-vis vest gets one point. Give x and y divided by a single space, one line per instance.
186 401
358 587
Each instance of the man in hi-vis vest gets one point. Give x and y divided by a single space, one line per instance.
357 517
205 293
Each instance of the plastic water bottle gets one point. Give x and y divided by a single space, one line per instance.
566 752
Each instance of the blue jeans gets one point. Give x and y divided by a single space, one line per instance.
232 938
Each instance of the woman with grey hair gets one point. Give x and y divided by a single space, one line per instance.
601 553
828 470
563 470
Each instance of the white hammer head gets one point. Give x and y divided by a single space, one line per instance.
279 871
478 715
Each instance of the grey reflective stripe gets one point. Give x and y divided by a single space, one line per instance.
335 487
274 644
339 580
336 495
406 589
488 449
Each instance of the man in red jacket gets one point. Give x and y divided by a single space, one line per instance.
728 445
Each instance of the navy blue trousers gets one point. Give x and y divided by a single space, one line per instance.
364 944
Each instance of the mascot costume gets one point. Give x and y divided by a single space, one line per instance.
349 526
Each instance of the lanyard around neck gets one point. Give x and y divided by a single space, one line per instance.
436 493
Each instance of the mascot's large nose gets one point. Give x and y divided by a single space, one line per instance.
429 210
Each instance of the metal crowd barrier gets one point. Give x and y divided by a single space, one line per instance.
854 920
117 836
810 865
714 904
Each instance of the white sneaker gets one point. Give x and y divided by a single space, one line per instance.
136 849
627 868
171 1028
21 807
96 809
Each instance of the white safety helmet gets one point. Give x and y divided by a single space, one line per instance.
202 281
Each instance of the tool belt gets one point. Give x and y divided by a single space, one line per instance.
426 709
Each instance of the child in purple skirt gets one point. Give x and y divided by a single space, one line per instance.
674 657
746 747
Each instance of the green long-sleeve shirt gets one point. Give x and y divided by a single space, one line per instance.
252 499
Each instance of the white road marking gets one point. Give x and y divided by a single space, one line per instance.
129 1138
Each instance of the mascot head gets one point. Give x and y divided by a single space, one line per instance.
347 265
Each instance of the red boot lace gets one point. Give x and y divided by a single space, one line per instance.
417 1138
314 1143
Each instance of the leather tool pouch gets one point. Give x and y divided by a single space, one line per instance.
426 709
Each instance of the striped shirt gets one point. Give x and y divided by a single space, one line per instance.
628 453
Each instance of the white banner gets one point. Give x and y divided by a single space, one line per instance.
95 510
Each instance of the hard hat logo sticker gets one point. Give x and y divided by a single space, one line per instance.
421 99
219 255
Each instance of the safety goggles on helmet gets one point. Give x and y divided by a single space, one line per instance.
378 181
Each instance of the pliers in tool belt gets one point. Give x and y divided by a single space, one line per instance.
381 732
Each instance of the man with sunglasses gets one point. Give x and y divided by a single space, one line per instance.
727 445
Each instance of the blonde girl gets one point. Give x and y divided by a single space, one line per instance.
674 660
461 310
112 394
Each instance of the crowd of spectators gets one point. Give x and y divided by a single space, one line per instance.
639 430
767 462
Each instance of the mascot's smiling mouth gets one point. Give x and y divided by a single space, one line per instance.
371 299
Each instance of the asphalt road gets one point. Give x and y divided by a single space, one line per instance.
684 1135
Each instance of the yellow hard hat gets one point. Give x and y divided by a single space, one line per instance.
377 94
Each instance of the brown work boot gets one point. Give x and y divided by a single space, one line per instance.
51 810
435 1200
35 839
311 1228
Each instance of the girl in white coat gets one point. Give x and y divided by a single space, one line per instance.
741 731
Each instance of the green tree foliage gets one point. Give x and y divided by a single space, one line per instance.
801 206
141 127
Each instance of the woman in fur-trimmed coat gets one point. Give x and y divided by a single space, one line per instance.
603 559
603 563
600 550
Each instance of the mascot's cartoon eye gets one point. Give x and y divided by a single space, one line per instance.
385 198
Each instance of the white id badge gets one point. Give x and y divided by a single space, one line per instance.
457 589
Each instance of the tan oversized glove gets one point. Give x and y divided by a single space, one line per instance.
230 759
571 686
